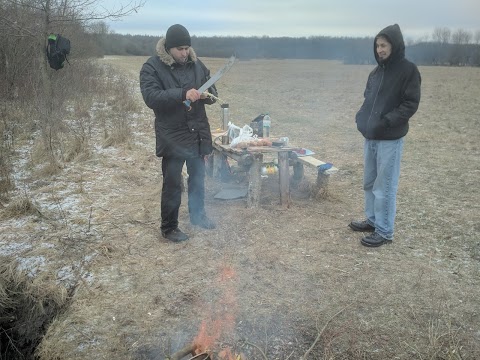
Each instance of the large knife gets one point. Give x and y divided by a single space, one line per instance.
213 79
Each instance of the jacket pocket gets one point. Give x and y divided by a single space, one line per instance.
206 147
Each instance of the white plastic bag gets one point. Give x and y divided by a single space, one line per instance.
239 135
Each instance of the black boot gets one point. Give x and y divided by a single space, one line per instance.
361 226
175 235
202 221
375 240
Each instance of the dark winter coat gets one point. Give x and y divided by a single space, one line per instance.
392 94
164 83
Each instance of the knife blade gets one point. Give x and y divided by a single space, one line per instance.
213 79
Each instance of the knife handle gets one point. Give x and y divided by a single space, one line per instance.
187 104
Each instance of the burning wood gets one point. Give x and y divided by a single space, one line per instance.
194 350
189 349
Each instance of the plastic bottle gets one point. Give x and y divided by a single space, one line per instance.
269 169
266 125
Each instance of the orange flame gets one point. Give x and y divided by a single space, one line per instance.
223 322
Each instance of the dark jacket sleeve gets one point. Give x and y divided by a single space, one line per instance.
400 115
362 112
154 95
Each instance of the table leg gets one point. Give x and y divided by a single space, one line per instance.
218 163
284 179
255 181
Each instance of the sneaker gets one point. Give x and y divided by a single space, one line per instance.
361 226
375 240
203 222
175 235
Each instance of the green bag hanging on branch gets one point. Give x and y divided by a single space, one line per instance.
58 48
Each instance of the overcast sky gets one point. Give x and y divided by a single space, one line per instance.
357 18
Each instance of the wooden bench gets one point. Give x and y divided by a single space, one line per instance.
324 170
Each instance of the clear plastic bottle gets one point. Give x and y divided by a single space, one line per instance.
267 122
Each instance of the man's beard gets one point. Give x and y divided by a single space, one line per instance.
182 60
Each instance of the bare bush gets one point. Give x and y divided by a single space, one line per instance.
5 159
6 183
20 207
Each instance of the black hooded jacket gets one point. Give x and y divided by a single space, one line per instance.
392 94
164 83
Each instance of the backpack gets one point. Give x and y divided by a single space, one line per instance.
58 48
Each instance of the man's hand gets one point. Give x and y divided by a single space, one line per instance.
193 95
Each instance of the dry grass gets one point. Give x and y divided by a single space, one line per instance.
6 183
27 307
21 206
280 282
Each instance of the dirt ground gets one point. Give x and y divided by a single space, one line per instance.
269 283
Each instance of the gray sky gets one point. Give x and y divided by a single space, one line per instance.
357 18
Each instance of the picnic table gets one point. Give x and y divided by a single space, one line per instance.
252 159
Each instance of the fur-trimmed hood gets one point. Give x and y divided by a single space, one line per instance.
168 59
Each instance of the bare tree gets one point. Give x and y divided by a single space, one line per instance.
445 35
476 37
437 35
441 35
461 54
461 36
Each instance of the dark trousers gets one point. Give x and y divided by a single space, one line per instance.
172 189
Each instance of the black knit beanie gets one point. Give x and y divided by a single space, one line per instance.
177 36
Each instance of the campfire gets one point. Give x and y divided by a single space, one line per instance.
221 320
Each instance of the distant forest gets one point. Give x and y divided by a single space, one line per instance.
458 49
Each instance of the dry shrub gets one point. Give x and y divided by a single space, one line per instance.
6 183
122 91
121 102
20 207
27 306
46 156
80 130
120 133
66 135
76 139
15 123
77 149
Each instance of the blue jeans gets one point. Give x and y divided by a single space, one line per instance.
172 189
380 183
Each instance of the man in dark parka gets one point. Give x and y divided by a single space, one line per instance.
182 134
392 97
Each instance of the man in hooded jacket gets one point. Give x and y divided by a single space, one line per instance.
182 133
391 98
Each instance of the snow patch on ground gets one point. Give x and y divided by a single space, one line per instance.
10 249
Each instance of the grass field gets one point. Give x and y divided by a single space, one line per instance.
271 283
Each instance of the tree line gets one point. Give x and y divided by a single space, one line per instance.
457 48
